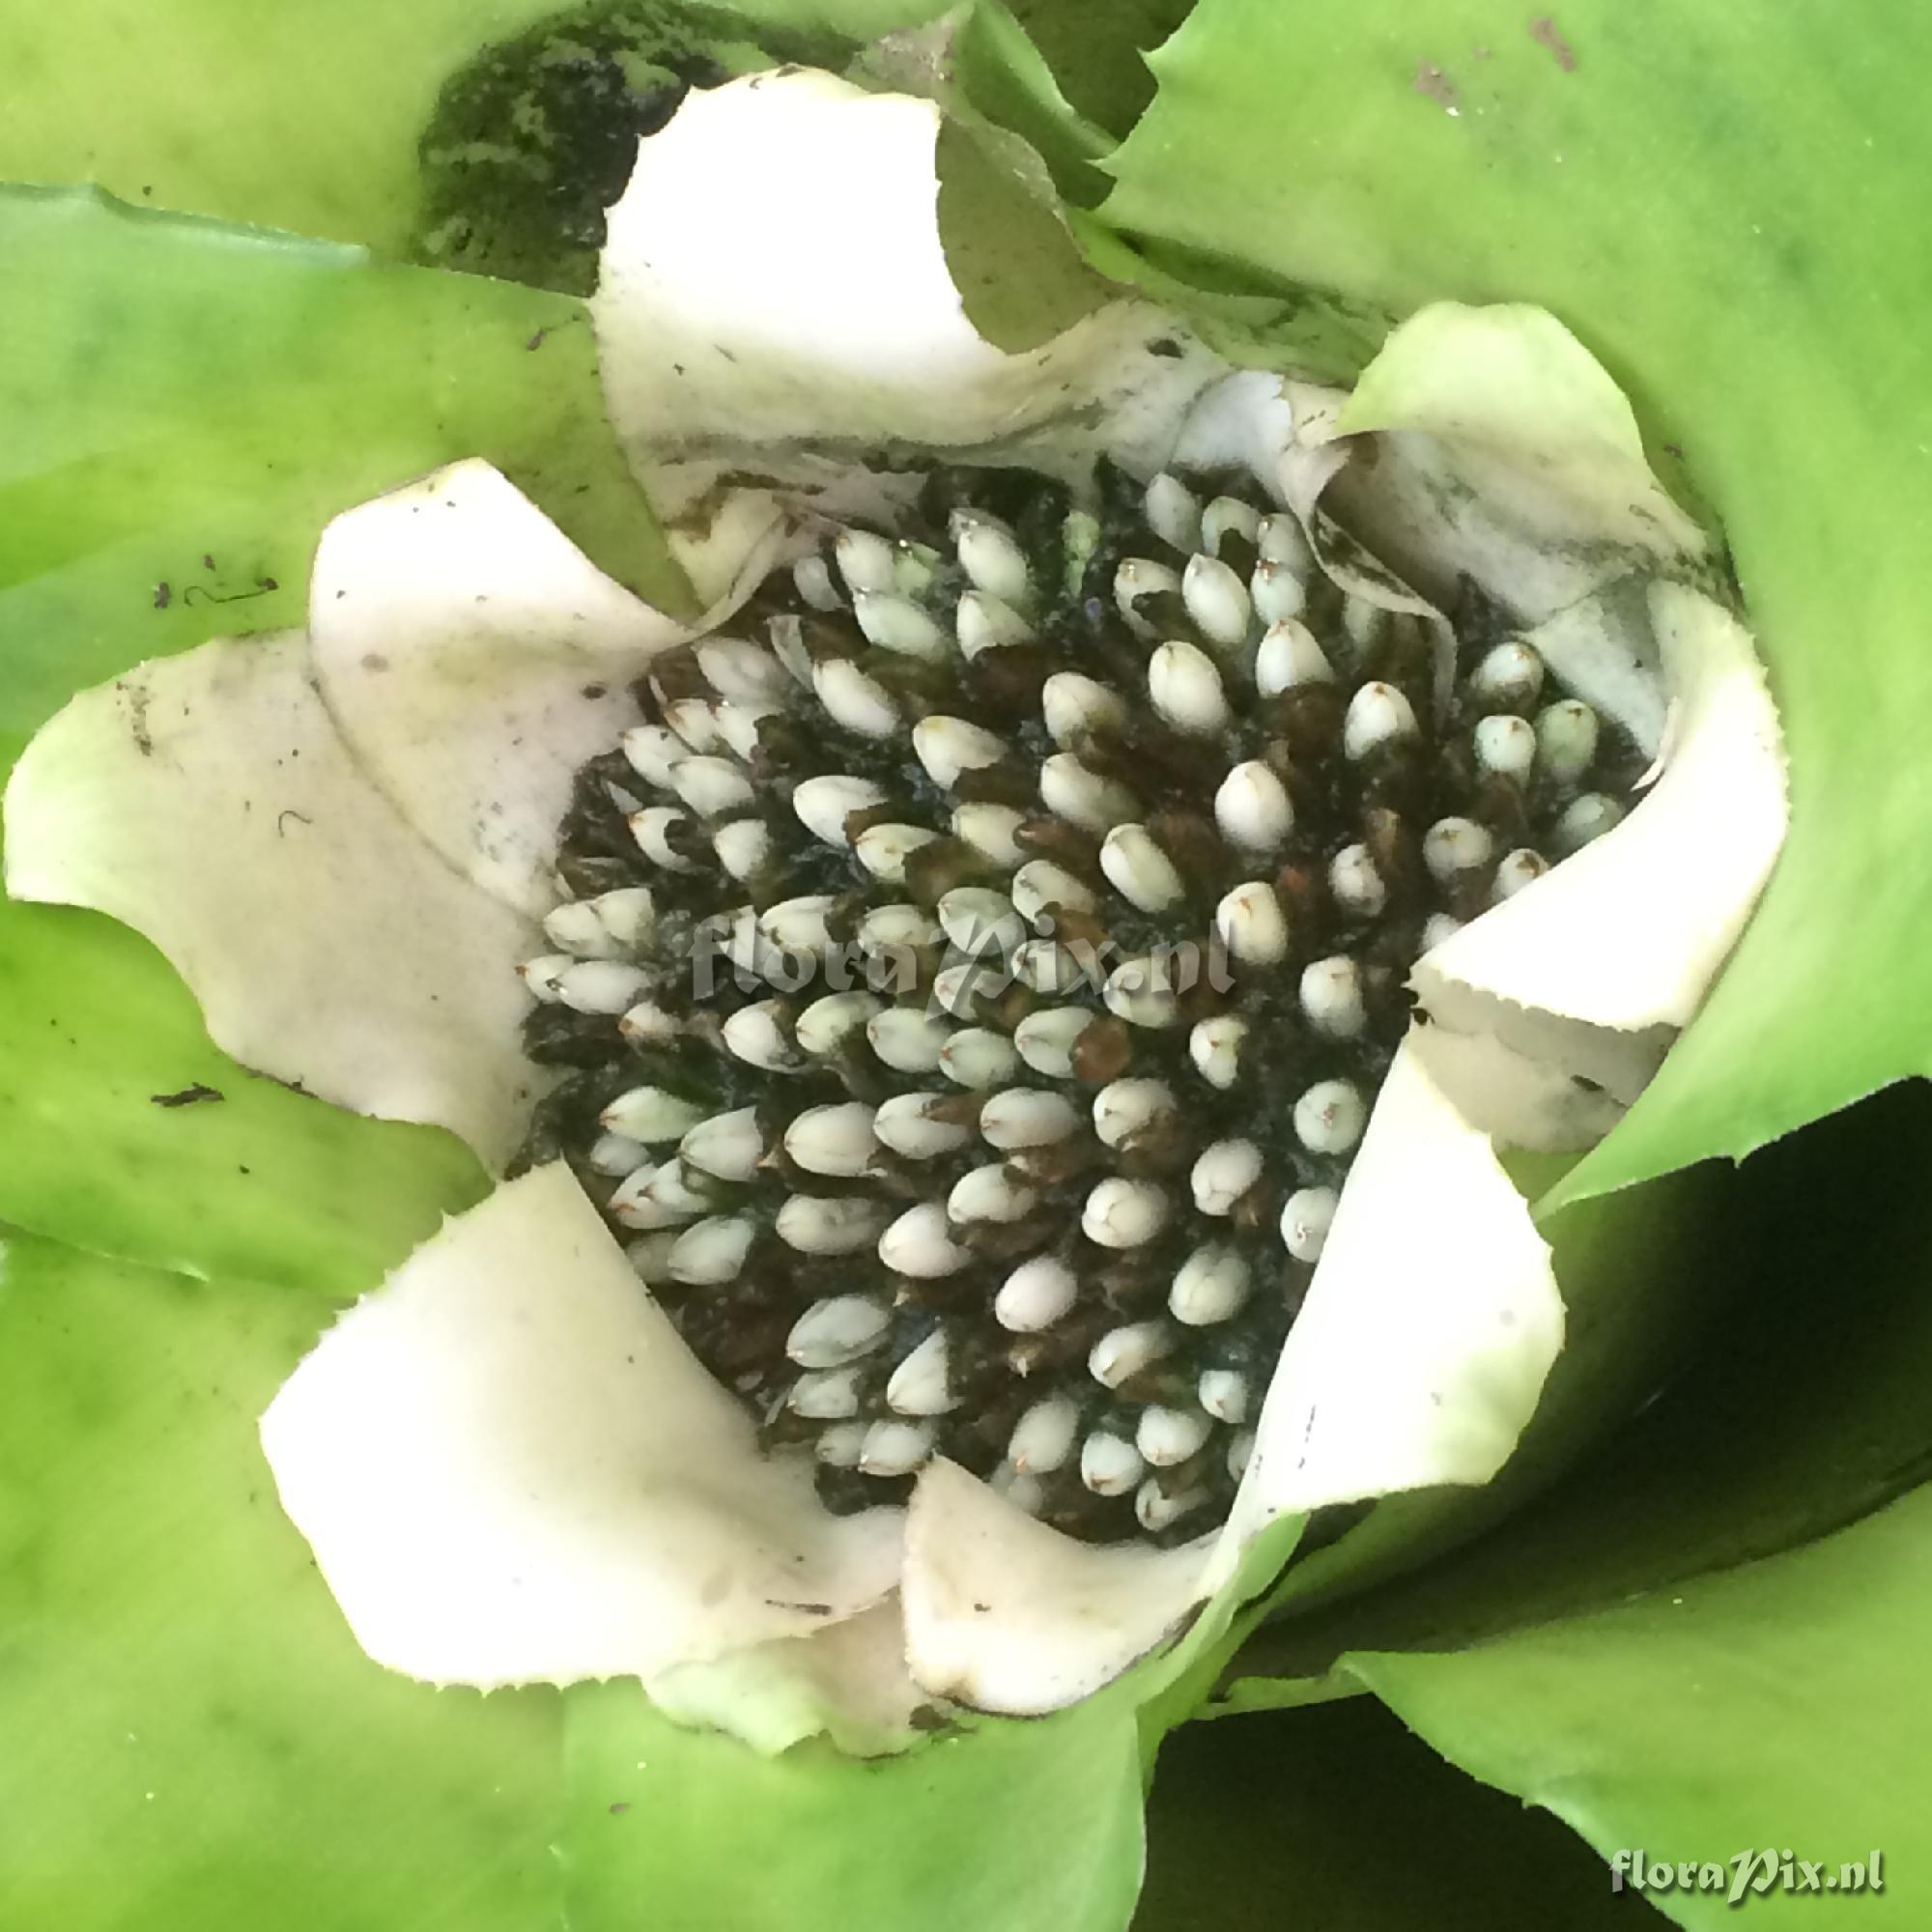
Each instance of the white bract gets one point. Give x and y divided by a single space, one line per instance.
509 1464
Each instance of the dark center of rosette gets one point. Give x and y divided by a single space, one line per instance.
982 961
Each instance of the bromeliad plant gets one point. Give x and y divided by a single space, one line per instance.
1028 1202
1116 1180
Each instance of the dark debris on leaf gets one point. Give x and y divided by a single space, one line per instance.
195 1095
535 136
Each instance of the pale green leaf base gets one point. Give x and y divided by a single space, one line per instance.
1022 1827
191 1737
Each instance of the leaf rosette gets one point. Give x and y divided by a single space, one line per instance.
373 962
509 1467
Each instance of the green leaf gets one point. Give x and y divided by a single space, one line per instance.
1800 1409
999 69
187 405
1099 55
192 1736
127 1133
1028 1827
1020 279
1528 1657
1337 1819
1645 1275
1613 162
302 117
1785 1704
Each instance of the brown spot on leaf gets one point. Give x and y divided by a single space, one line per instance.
1431 81
1545 30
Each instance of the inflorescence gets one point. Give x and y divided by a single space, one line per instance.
979 967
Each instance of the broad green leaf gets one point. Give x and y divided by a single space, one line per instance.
1800 1409
997 68
1783 1705
1020 279
187 405
1099 55
1338 1820
192 1737
302 117
1028 1826
1719 203
127 1133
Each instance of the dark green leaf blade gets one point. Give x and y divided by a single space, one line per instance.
1099 56
1800 1409
1337 1819
1784 1705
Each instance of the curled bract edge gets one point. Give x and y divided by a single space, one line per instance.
510 1467
775 307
